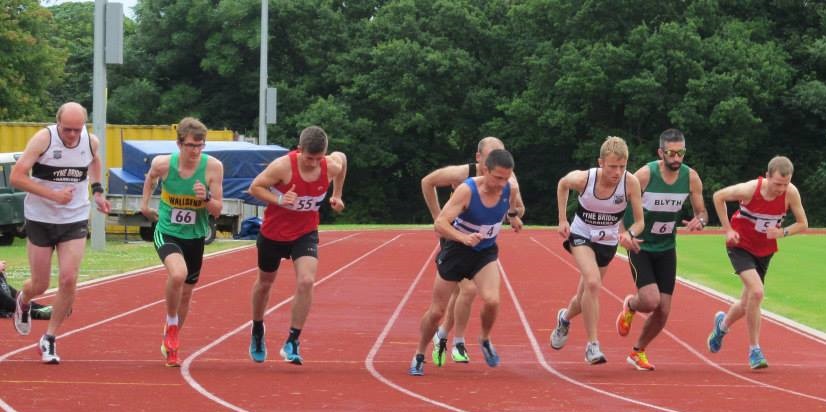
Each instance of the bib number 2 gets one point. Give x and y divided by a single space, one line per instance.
182 217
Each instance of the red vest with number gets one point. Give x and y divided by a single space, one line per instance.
286 223
751 222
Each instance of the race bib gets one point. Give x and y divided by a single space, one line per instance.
307 203
763 225
603 235
663 228
182 217
490 231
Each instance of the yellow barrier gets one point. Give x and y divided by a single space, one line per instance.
15 135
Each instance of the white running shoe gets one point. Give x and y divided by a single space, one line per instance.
48 350
22 316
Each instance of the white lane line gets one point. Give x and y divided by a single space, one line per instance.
187 364
697 353
371 356
541 357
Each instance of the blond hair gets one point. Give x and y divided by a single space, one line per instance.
614 145
782 165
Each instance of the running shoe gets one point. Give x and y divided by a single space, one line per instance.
290 352
48 350
169 345
757 360
639 360
22 318
560 334
460 354
715 339
491 357
439 349
41 313
593 355
258 348
625 317
417 366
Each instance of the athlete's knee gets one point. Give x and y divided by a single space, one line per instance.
467 290
304 284
647 302
755 294
489 298
67 283
592 285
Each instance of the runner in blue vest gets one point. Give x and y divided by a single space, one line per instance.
470 223
666 184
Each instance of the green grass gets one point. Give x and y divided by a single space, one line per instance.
795 284
117 257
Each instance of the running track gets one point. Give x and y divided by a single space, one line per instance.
372 288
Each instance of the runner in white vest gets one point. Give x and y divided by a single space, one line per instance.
592 239
62 159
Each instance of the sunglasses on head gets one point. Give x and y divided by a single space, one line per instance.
672 153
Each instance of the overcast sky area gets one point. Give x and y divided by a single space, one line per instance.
127 4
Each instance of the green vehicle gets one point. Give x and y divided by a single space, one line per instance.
12 220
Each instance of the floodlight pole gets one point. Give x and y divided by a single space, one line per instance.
99 114
262 87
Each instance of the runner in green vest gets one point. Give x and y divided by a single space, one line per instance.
191 190
666 184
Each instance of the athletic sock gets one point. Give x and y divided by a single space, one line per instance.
294 333
258 328
457 340
172 320
441 333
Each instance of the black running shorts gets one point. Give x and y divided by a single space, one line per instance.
270 252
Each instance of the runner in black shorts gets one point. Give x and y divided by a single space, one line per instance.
191 249
270 252
666 184
603 253
742 260
470 223
457 261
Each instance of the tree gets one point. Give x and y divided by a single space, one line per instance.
30 65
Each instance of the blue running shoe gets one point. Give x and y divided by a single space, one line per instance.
491 357
757 360
715 339
417 365
258 348
290 352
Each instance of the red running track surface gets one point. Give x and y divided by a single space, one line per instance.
371 290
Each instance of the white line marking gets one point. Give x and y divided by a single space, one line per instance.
7 408
695 352
185 366
541 358
368 362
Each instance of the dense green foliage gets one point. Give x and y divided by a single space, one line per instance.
405 86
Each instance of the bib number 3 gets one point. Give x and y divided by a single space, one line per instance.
182 217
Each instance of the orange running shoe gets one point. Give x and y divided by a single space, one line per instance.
625 317
639 360
169 345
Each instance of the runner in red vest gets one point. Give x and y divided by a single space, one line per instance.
751 241
294 186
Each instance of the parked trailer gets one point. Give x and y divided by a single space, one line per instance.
242 163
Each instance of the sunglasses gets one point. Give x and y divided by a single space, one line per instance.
672 153
193 146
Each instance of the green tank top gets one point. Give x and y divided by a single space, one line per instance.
662 204
180 213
